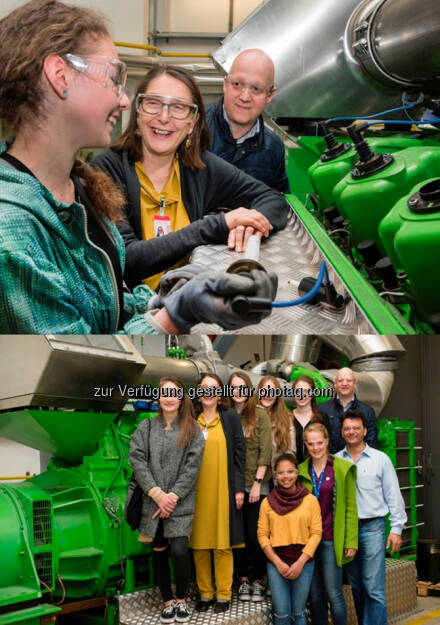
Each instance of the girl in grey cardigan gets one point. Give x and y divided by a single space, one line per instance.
166 453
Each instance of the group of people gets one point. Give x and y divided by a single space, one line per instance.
83 247
271 494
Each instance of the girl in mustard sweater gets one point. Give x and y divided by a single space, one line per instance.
289 531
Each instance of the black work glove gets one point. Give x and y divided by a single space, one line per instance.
208 299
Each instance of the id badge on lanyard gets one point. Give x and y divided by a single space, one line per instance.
161 222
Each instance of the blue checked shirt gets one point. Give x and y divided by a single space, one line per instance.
377 487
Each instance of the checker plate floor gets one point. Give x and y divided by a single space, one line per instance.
144 608
292 254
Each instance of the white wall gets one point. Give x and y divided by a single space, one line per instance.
17 460
129 20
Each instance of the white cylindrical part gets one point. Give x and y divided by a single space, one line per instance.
252 251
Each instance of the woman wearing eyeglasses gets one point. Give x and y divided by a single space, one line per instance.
162 165
333 482
61 255
289 531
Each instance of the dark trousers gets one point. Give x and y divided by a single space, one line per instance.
178 549
250 562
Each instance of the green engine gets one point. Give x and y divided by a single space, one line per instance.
378 198
63 532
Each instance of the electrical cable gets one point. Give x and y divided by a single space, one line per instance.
63 589
404 121
47 588
311 294
394 110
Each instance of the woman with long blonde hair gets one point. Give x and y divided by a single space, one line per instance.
250 566
283 431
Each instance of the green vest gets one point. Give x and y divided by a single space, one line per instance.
345 518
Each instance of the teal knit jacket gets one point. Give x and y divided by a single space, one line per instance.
345 517
52 278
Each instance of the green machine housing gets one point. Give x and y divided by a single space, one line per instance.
398 439
66 549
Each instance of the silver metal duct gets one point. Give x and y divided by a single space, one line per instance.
156 367
328 65
397 41
297 347
62 371
367 346
372 357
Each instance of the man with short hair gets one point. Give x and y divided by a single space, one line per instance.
345 399
377 493
238 133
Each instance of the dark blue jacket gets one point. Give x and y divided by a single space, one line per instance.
333 410
204 191
261 156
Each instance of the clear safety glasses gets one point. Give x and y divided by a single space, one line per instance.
153 104
253 90
110 73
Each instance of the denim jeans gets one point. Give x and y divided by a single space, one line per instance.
289 596
327 582
366 574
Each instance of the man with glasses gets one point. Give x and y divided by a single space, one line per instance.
345 399
238 133
377 494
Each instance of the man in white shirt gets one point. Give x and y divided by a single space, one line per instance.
377 493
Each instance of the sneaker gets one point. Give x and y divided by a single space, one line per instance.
244 591
258 592
182 612
222 605
168 614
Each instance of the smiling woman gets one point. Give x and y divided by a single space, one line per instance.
218 521
333 481
165 454
162 165
289 531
